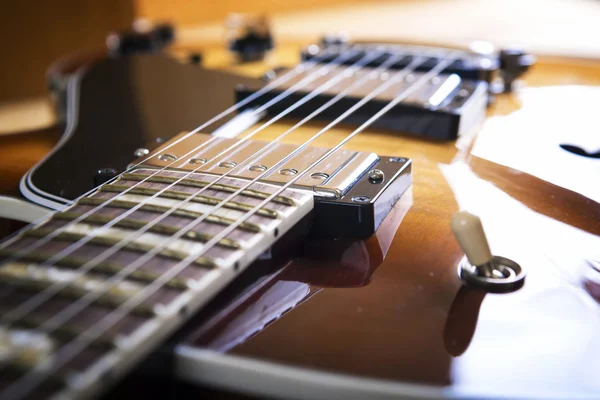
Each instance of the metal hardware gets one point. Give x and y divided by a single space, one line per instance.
104 175
140 152
167 157
471 65
319 175
200 183
513 64
178 195
249 36
195 58
376 176
146 40
288 171
227 164
344 167
347 203
500 275
334 40
361 199
198 161
258 168
480 268
445 115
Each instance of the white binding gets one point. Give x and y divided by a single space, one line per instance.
20 210
272 379
26 186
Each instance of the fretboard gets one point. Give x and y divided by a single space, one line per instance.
42 336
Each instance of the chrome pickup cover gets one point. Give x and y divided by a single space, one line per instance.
448 105
354 191
333 177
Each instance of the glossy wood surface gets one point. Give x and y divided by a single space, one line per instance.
393 308
410 320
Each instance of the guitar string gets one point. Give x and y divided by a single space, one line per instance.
399 98
40 242
302 67
39 298
284 78
84 340
112 250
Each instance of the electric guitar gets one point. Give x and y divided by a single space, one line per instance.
293 232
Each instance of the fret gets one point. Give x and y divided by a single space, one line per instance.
178 195
201 184
110 241
12 371
72 292
74 263
85 320
158 228
219 256
24 348
61 333
214 219
160 311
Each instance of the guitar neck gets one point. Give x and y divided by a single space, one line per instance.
92 292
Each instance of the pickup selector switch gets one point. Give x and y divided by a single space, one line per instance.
482 269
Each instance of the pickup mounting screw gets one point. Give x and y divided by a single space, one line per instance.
376 176
104 175
140 152
398 159
361 199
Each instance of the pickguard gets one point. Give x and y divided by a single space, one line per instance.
119 105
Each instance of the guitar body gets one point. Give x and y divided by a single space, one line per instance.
385 317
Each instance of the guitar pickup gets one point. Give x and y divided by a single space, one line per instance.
469 65
353 191
442 108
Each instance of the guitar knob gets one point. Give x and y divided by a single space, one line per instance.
338 39
482 269
470 235
513 64
145 39
249 36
